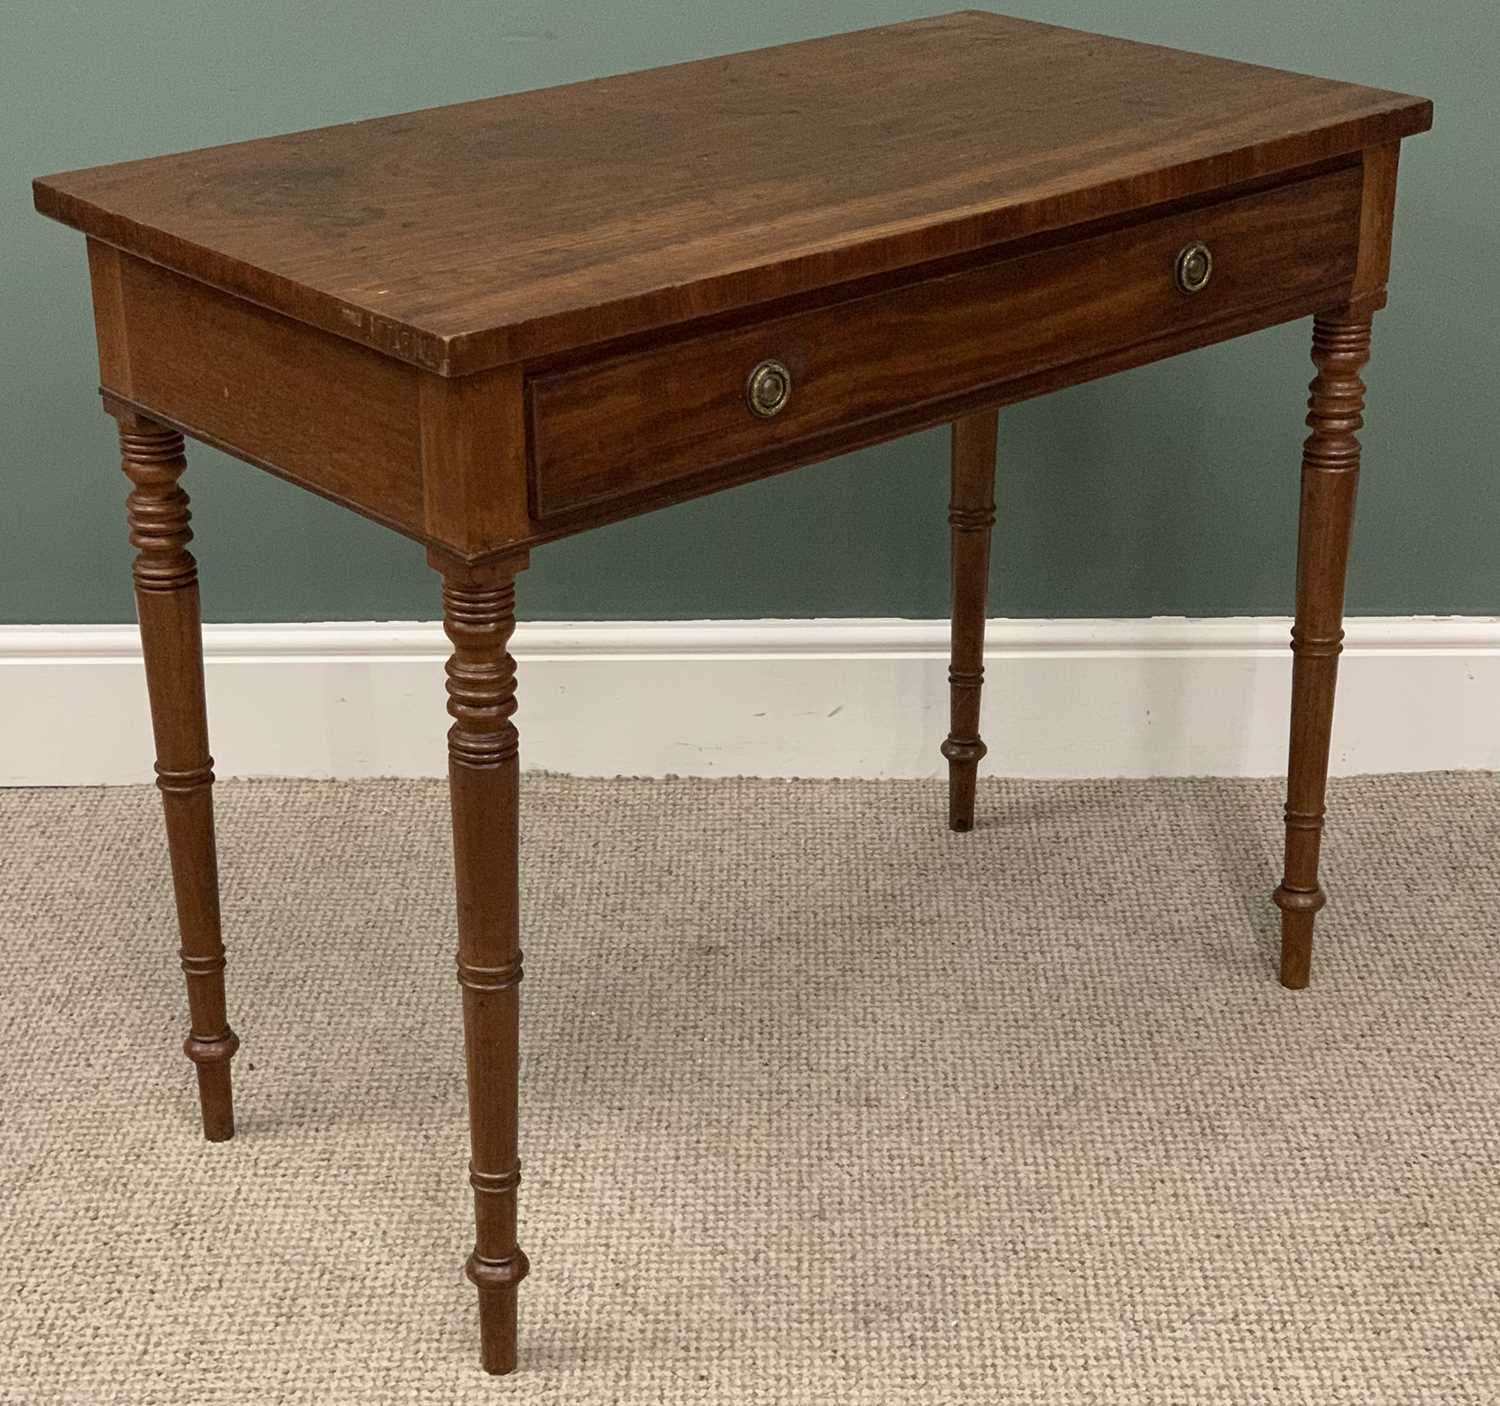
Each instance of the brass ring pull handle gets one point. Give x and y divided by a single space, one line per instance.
768 389
1194 265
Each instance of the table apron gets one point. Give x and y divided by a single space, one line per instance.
634 424
492 463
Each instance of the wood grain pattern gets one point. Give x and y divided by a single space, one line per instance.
479 614
110 334
337 418
166 596
971 516
905 419
473 436
463 237
1330 475
636 421
1377 215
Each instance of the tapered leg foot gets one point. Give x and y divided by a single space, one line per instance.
964 755
497 1311
1297 915
484 787
497 1331
166 597
971 515
1330 475
215 1094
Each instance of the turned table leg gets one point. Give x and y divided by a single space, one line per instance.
484 778
971 515
1330 473
166 598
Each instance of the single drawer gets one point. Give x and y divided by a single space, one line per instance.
637 421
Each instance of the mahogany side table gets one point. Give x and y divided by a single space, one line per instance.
497 323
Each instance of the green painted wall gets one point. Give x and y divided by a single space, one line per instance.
1170 490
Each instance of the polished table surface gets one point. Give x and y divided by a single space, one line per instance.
466 236
497 323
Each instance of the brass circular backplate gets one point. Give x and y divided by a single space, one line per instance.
768 388
1194 265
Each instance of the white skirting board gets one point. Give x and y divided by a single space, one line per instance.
1158 697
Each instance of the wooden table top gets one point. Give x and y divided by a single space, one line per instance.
467 236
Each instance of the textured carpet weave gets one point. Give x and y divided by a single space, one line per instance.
821 1103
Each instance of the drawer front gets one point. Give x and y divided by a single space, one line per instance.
633 423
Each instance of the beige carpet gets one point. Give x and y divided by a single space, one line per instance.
822 1104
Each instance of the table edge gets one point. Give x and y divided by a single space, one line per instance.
568 329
